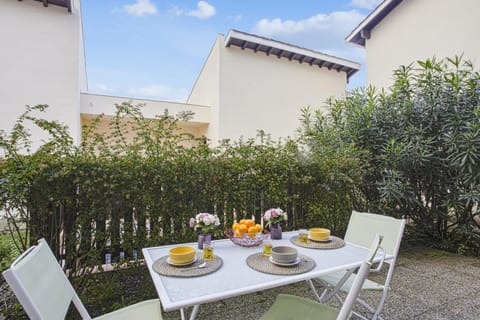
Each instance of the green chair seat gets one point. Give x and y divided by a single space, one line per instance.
145 310
288 307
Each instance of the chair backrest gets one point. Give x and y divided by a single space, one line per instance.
363 226
362 274
41 286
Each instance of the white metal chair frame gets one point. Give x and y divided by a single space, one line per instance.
45 293
362 226
316 310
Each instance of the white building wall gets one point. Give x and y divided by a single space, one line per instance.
260 92
95 104
417 30
40 61
206 90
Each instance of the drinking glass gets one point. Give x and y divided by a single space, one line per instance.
208 251
303 236
267 248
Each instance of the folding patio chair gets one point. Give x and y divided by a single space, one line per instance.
45 293
362 227
289 307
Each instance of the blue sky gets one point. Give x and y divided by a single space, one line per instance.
155 49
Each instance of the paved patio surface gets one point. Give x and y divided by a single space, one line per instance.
427 284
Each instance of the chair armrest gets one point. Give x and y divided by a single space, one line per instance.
380 264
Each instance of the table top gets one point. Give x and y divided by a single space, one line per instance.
236 278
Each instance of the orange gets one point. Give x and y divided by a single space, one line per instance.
252 230
249 222
242 221
259 227
238 234
242 228
235 226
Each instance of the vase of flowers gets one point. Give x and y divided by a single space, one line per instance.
203 238
205 223
273 218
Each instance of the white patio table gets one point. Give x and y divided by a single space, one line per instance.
236 278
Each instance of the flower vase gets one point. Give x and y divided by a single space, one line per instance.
203 238
276 231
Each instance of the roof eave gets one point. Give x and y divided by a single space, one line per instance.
296 53
362 32
62 3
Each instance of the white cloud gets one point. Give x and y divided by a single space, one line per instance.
365 4
336 21
321 32
204 10
140 7
160 92
316 32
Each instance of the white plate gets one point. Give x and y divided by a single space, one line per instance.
288 264
170 262
326 240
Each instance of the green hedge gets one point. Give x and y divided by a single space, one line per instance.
116 194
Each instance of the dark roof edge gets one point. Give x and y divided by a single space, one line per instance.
348 66
362 31
62 3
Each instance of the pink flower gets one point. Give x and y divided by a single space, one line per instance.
204 221
274 215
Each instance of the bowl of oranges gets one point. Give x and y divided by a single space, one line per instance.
246 233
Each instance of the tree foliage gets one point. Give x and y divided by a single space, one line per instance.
421 140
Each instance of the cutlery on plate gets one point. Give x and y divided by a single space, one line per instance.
200 266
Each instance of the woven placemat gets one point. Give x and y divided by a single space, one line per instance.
162 267
334 243
261 263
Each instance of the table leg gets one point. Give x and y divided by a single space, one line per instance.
314 290
193 314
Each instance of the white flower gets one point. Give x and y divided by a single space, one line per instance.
205 221
274 215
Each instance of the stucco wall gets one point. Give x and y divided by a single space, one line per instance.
40 63
417 30
95 104
206 90
264 92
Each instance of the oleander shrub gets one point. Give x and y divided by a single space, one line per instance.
421 143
